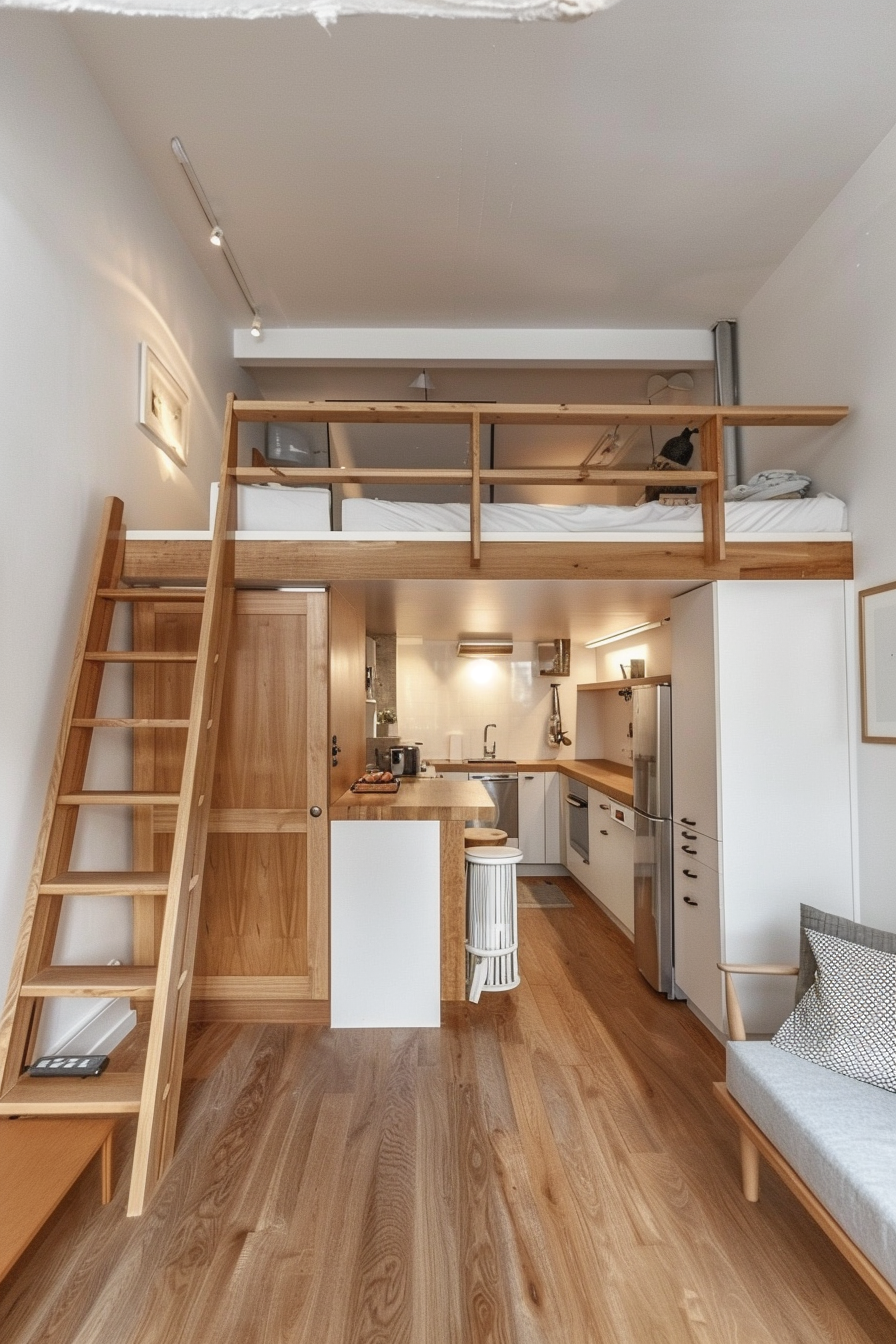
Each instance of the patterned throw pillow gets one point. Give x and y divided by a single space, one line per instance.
847 1020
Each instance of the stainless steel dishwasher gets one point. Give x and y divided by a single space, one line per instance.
503 788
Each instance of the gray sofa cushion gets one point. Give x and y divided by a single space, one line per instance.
838 1134
836 927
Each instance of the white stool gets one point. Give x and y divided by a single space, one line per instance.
492 944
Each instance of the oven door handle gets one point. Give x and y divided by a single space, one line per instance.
575 802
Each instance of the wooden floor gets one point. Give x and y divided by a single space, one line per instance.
550 1166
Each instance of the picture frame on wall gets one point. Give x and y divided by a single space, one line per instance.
877 652
164 407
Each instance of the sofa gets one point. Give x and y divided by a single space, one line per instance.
831 1138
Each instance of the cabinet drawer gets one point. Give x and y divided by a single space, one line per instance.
698 937
689 846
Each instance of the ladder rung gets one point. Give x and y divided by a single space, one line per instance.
130 723
152 594
109 1094
92 982
106 884
132 656
116 798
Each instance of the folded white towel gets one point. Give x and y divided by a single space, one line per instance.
771 485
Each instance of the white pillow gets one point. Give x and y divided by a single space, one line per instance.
846 1020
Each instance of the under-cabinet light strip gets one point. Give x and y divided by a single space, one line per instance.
624 634
218 237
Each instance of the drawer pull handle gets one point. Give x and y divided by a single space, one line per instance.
687 849
685 822
689 835
688 901
605 832
687 872
604 807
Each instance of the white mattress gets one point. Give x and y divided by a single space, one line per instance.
822 513
278 508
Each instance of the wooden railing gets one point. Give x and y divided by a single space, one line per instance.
709 479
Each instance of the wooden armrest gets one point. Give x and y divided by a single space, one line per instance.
736 1029
731 969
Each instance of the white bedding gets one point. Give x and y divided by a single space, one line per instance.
278 508
823 513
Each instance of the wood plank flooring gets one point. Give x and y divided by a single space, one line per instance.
549 1167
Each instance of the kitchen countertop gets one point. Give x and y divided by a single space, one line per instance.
418 800
609 777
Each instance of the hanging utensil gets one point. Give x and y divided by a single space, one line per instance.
556 736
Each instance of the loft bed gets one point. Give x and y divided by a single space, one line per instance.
284 534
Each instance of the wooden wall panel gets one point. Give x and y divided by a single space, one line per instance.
348 661
254 918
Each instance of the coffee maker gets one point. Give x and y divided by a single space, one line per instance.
405 759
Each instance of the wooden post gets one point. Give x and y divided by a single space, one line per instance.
475 491
107 1171
713 494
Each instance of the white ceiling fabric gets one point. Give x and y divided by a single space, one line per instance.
325 11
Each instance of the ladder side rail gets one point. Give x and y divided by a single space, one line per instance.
161 1079
55 838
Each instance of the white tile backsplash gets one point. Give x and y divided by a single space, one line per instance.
439 693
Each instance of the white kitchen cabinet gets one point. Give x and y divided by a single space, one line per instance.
612 860
761 781
553 846
532 816
698 928
694 736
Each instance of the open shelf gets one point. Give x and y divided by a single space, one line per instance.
663 680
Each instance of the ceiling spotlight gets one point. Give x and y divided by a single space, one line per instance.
217 236
256 328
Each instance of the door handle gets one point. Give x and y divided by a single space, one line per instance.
687 849
575 802
689 835
605 832
604 807
687 872
685 822
688 901
315 811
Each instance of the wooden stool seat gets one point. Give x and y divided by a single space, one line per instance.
484 835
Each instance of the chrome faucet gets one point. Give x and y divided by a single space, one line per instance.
486 754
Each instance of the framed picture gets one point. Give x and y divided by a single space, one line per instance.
877 650
164 409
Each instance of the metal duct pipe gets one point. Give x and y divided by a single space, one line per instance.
728 394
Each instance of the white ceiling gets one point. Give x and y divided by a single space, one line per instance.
529 610
646 167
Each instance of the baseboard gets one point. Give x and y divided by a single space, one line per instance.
100 1034
310 1012
542 870
710 1026
614 919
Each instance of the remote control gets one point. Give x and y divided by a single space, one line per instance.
68 1066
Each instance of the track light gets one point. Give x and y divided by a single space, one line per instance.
216 237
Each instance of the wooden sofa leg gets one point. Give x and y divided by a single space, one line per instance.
749 1169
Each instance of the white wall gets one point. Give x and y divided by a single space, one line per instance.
439 693
89 266
823 329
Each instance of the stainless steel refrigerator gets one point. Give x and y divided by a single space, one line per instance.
652 768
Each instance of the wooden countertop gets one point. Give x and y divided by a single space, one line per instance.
609 777
418 800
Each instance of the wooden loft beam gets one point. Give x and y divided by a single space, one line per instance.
490 413
475 491
463 476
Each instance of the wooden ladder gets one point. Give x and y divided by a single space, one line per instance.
154 1095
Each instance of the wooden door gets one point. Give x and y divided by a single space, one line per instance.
263 945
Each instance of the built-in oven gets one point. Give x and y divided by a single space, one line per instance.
577 810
